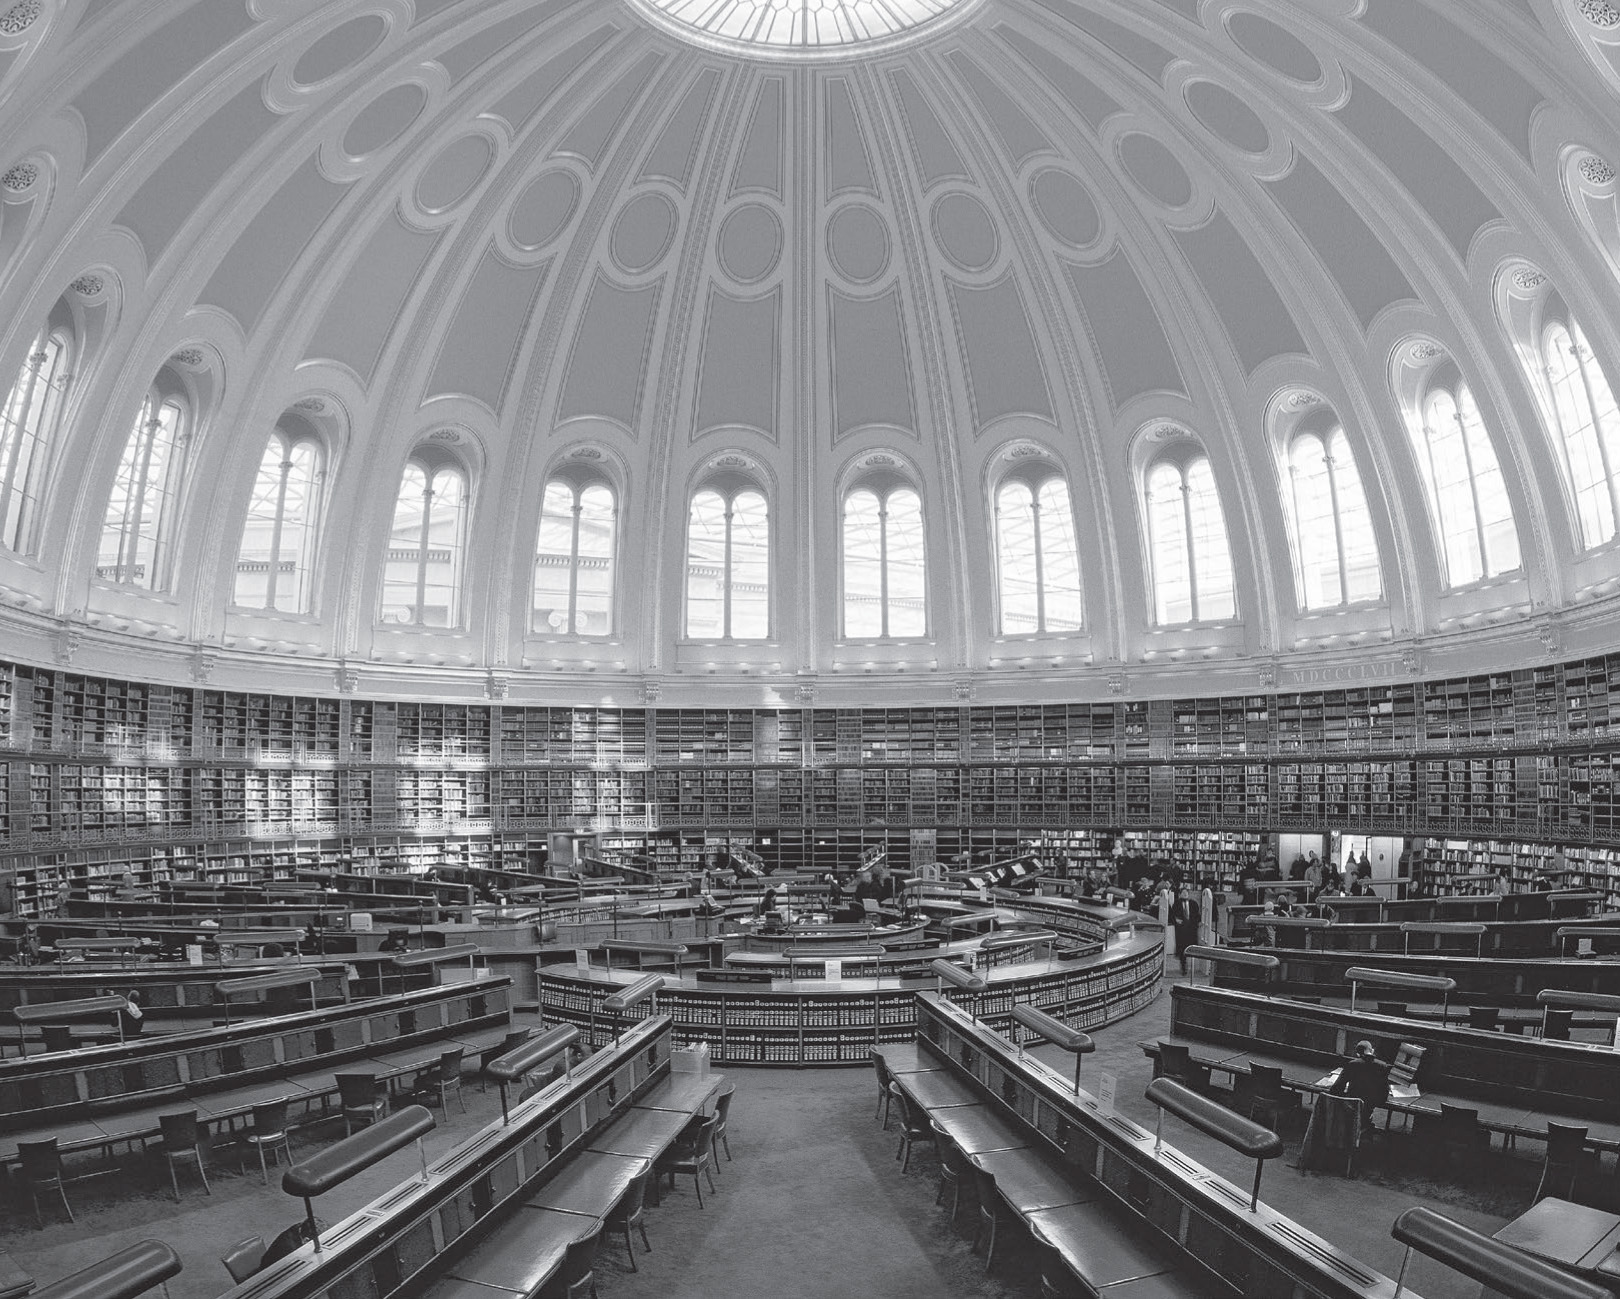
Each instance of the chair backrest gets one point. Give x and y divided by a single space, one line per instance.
1407 1060
450 1064
1565 1142
722 1103
984 1183
357 1090
634 1196
41 1160
705 1136
1055 1274
1174 1058
180 1129
1558 1022
880 1068
1458 1120
242 1259
577 1261
1267 1080
58 1037
270 1119
1482 1016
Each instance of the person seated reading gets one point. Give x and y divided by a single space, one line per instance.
1365 1077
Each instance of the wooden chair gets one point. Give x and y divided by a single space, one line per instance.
575 1279
42 1170
1175 1061
1566 1153
1267 1096
270 1132
1483 1017
1057 1282
363 1098
1557 1026
722 1111
953 1169
58 1037
693 1152
993 1213
631 1212
244 1258
915 1126
885 1095
182 1139
445 1077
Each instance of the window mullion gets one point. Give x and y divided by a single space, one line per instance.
275 533
883 568
725 579
1473 495
1192 550
422 551
1338 527
1597 430
1040 573
573 567
31 371
132 519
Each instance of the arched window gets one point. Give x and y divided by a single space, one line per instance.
422 573
1583 407
28 423
1333 533
728 566
275 562
1191 558
885 582
573 563
1037 563
137 531
1463 480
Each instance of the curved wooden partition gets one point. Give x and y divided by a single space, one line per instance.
1481 980
750 1017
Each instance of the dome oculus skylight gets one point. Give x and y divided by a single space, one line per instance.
801 28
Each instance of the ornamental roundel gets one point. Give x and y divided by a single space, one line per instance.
20 176
1600 13
88 285
1426 351
1596 170
584 453
445 435
1303 400
311 405
19 18
191 357
1525 278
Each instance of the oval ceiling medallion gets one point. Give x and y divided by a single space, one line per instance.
384 120
1155 169
451 176
1227 117
339 49
1065 207
858 244
543 210
643 232
788 29
1277 47
965 232
750 243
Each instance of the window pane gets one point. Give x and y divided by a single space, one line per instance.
1215 597
706 567
863 573
1451 494
404 548
256 554
750 567
1060 558
274 565
27 424
554 559
442 564
1577 425
1495 510
135 530
1355 524
1167 536
1015 556
908 612
598 524
1603 403
1313 524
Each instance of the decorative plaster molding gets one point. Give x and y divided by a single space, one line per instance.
190 357
1600 13
1595 170
348 680
1525 278
1303 400
1116 683
66 643
20 17
1426 351
496 686
964 689
311 405
202 665
651 692
89 285
19 176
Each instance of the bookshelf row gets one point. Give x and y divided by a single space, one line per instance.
1562 794
51 711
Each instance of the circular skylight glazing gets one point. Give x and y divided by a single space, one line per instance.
801 28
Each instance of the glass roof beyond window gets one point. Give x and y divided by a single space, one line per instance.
788 28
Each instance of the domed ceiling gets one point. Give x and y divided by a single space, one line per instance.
796 244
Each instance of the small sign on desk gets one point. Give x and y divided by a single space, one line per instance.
1107 1090
1221 1078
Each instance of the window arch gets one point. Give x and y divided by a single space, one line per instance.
28 427
276 560
885 576
427 545
1335 550
1463 482
1037 560
1588 428
728 564
1191 557
137 531
574 559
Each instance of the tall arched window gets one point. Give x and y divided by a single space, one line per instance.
728 565
573 563
1467 495
28 423
1588 428
138 529
1037 563
422 572
1333 532
275 562
1191 557
885 580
